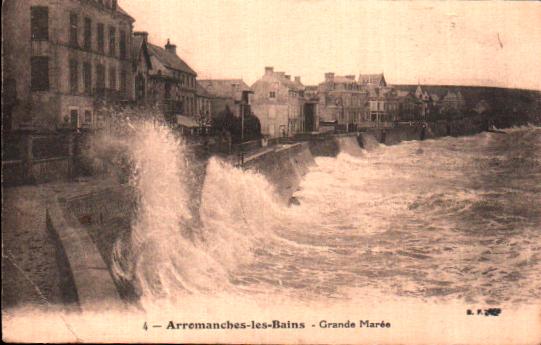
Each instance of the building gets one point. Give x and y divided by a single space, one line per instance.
65 62
171 83
407 106
372 80
163 81
382 99
453 101
342 101
225 93
203 106
141 66
311 101
278 102
424 102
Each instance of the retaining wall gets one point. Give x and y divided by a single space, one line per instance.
284 167
87 224
393 136
89 273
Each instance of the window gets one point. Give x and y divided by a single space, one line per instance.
100 77
122 44
100 34
74 27
39 23
112 78
112 41
74 117
87 77
74 80
39 79
123 82
88 116
272 94
88 34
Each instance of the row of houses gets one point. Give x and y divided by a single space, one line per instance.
73 63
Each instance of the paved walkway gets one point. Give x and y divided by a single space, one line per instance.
29 256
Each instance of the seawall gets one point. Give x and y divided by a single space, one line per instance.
430 130
284 166
87 223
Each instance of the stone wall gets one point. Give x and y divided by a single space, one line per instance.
90 273
432 130
284 167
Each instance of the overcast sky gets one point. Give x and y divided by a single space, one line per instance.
481 43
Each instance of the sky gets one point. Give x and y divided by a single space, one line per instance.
457 43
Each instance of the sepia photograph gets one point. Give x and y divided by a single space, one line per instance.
271 172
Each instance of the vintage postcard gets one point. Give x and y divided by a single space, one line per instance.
271 172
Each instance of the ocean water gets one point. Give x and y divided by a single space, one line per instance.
452 219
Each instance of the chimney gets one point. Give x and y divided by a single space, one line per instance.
171 47
143 34
329 77
298 79
288 77
269 70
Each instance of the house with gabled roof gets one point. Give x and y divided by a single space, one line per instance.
453 101
164 80
382 99
225 93
278 102
342 101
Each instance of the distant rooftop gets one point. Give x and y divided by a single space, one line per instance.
169 60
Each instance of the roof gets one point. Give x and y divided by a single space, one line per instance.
201 91
168 59
299 85
401 93
343 79
372 79
137 45
124 13
281 76
224 87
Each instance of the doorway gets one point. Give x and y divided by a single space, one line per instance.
310 117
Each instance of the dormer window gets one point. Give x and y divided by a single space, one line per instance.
272 95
